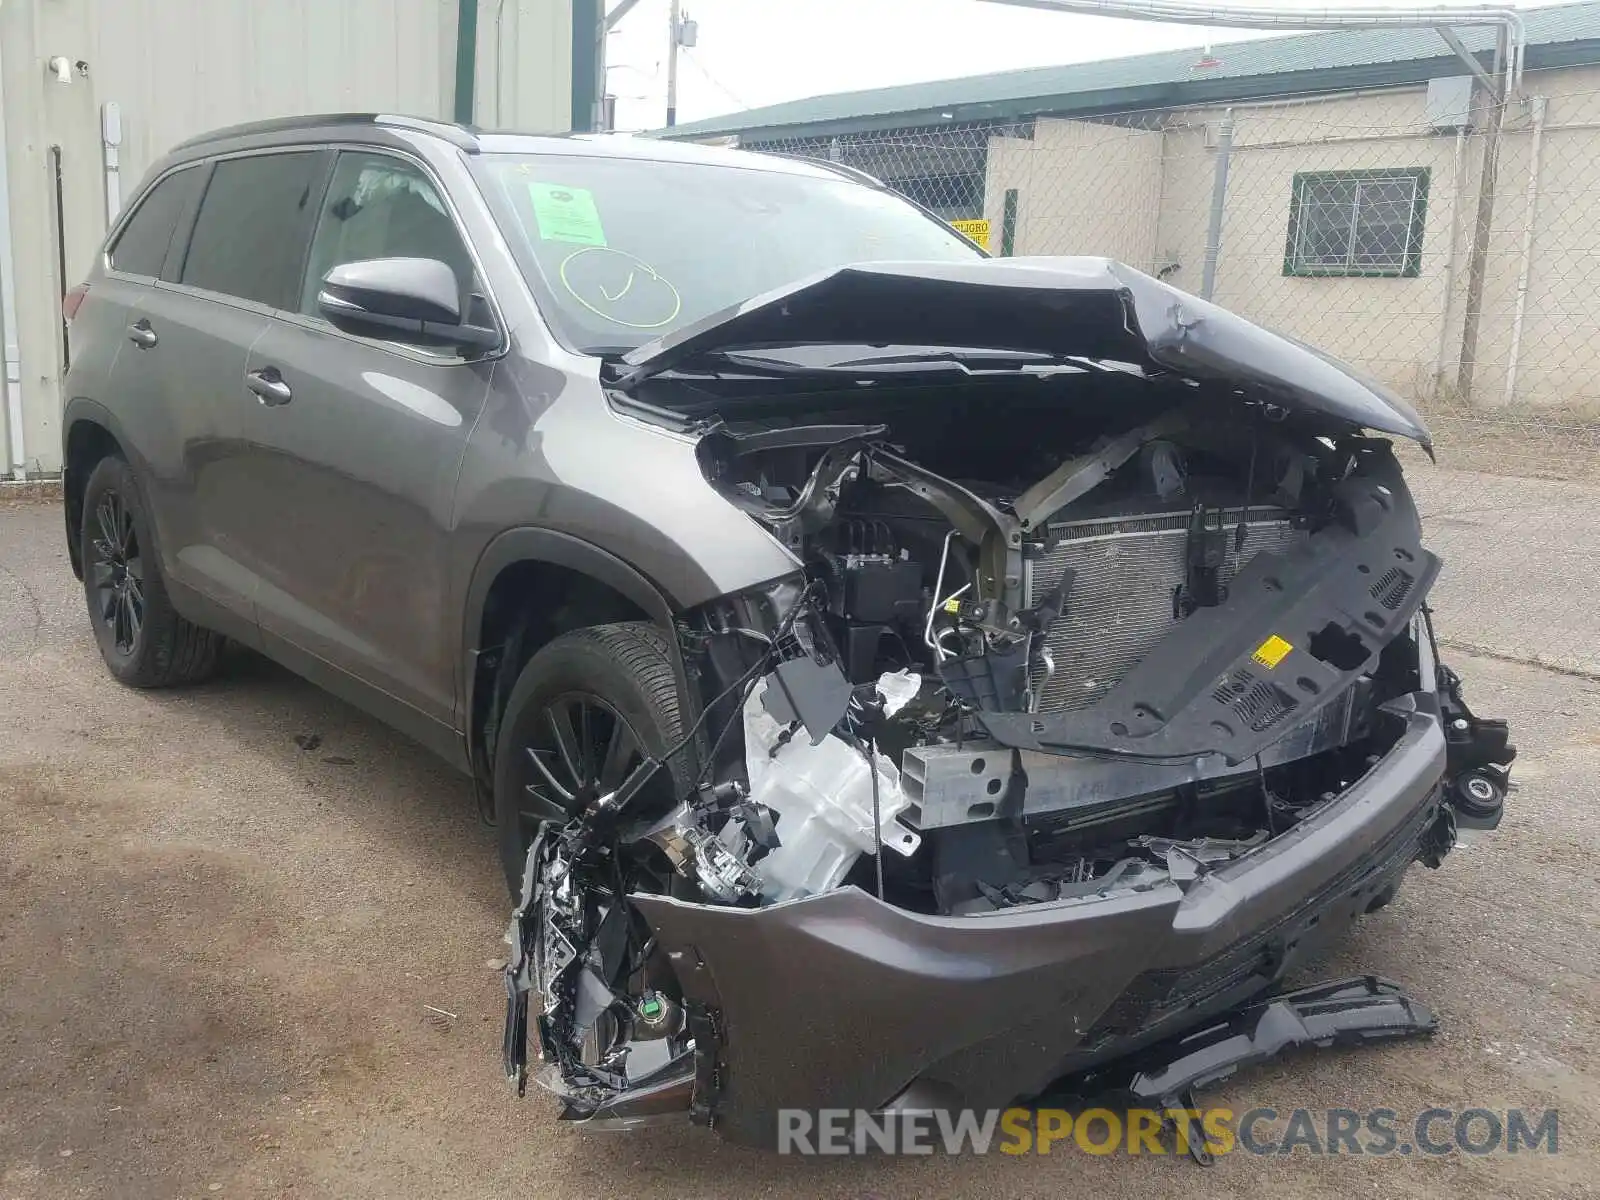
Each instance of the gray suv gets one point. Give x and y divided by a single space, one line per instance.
899 678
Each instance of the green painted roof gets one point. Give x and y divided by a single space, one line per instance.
1558 35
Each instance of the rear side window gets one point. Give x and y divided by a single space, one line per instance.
141 247
249 238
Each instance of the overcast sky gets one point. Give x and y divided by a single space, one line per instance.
757 52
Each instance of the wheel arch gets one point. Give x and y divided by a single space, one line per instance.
529 586
90 433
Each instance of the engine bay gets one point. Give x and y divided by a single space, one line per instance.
1102 550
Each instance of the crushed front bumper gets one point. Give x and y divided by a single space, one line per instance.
842 1001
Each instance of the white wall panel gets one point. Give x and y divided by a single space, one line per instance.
181 67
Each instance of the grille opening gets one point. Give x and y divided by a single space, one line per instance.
1339 648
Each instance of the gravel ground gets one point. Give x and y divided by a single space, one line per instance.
220 938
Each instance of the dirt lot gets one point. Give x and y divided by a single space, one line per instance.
219 937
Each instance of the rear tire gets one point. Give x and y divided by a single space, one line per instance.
143 640
617 684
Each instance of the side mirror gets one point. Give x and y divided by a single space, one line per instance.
400 299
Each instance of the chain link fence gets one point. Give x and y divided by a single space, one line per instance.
1436 240
1450 253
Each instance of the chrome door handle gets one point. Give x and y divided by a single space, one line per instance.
141 335
269 387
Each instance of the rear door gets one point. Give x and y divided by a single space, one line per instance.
229 268
114 362
358 455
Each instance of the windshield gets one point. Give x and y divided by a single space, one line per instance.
624 250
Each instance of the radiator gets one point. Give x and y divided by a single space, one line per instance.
1121 602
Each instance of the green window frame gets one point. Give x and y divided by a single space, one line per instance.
1357 223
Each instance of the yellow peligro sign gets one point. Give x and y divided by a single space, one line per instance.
976 229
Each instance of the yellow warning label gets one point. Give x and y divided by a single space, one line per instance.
1272 651
977 230
952 605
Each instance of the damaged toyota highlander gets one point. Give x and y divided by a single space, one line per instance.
900 678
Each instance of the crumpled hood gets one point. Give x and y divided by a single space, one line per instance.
1091 308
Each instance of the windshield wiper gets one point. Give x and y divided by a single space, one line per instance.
965 358
820 359
803 359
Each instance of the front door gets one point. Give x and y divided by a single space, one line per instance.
357 444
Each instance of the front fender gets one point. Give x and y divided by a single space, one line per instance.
529 544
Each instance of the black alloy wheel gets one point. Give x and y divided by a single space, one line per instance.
143 640
583 714
116 572
579 749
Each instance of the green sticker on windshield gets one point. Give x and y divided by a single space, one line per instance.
566 214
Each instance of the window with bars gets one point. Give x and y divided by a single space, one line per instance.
1357 222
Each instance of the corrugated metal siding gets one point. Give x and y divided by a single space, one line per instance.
180 67
217 62
525 65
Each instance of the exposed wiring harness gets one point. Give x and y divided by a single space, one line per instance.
611 804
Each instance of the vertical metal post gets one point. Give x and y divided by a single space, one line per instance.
1478 261
672 63
60 191
1219 203
1008 224
466 59
593 15
1457 190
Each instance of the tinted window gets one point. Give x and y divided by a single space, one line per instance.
628 249
142 246
249 238
383 207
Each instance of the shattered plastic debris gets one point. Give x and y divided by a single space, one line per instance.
898 689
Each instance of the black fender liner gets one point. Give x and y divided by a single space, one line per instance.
529 544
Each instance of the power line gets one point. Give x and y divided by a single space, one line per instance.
714 81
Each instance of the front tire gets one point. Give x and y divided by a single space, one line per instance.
584 712
143 640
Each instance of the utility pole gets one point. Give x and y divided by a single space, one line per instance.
685 32
672 62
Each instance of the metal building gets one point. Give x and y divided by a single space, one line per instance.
93 91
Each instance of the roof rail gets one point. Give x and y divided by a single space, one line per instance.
461 136
854 174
